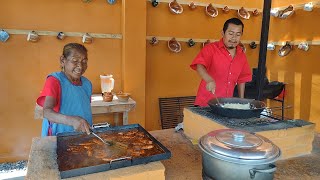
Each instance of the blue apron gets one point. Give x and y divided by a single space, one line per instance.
75 101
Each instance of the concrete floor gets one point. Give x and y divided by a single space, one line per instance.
185 163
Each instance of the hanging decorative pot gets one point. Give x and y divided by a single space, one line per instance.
33 36
256 12
191 42
303 46
243 13
112 2
283 14
61 36
308 6
192 6
154 3
175 7
211 11
285 50
154 41
4 35
271 46
174 45
86 38
253 45
226 9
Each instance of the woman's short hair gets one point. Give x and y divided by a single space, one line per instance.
68 47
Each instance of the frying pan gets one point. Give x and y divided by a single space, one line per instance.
256 107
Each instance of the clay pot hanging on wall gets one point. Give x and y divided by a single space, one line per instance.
211 11
283 14
285 50
243 13
175 7
174 45
4 35
192 6
154 41
33 36
154 3
191 42
226 9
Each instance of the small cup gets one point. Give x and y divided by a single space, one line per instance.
33 36
191 42
308 6
154 41
192 6
226 9
112 2
4 35
303 46
154 3
253 45
256 12
61 36
87 39
274 12
271 46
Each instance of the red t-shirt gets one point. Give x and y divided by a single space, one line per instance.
225 71
51 88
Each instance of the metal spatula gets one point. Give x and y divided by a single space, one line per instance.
110 143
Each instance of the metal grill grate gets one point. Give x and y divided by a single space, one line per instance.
171 110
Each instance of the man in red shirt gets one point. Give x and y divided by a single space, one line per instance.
222 65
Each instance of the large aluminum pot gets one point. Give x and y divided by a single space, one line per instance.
235 154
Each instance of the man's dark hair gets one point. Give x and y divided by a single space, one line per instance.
68 47
235 21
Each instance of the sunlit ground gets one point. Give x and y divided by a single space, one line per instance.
13 174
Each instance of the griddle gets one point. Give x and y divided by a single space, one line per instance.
79 163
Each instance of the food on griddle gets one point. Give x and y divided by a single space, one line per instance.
83 150
236 106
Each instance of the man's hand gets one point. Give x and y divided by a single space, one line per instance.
211 86
80 124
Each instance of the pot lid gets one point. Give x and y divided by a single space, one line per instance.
239 147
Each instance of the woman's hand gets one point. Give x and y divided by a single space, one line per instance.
80 124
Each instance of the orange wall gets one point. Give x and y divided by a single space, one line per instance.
168 74
25 65
148 72
299 69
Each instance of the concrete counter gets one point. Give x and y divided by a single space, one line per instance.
185 163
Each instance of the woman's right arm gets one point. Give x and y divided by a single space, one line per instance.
78 123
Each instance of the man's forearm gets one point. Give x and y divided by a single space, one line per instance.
241 88
203 73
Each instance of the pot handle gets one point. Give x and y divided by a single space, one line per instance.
253 171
